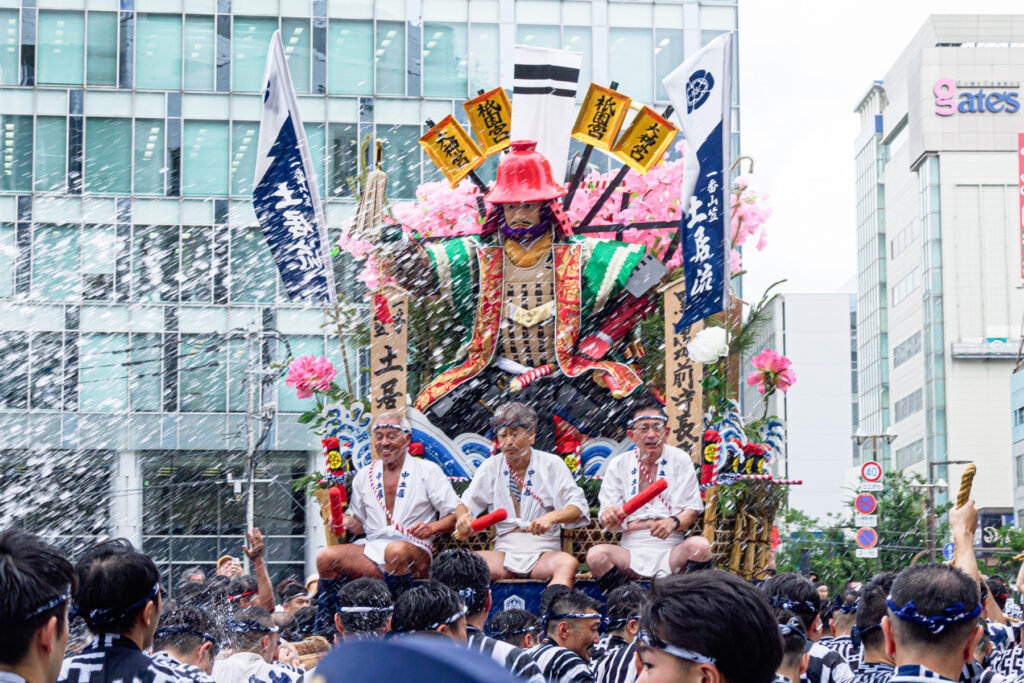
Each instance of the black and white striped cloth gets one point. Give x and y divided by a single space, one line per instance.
604 646
111 658
618 666
874 672
559 665
845 647
826 666
192 673
509 656
915 673
544 101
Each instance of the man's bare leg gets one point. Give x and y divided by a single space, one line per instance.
495 560
558 566
402 557
694 548
346 559
603 557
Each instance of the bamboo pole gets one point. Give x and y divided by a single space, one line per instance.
711 514
736 553
750 547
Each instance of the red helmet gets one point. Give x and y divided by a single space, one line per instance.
524 175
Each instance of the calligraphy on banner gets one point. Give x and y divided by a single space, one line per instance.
601 117
490 116
389 336
452 150
643 144
684 396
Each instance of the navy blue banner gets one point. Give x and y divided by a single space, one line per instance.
287 213
705 236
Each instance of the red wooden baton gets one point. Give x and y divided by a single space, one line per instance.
337 510
644 497
490 519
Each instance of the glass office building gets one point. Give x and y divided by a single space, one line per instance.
129 250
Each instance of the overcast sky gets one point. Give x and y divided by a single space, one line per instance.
803 66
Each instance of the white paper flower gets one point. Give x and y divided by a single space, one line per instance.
708 345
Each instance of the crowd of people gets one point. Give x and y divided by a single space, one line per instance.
384 605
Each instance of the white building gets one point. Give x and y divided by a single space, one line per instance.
939 259
816 332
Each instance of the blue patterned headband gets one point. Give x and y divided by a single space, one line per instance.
857 633
805 606
955 614
840 606
110 615
791 627
168 631
45 607
248 626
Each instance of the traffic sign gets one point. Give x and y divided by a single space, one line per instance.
871 471
866 520
867 538
865 503
947 551
871 486
867 552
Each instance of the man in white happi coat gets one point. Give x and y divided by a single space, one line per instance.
538 492
399 503
654 541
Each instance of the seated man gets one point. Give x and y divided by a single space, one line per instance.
931 627
654 541
37 583
539 493
400 503
572 619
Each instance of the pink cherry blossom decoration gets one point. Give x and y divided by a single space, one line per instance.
307 374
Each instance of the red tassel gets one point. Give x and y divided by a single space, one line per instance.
382 312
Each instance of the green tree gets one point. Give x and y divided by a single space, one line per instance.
830 546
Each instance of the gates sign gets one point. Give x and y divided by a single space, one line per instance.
991 97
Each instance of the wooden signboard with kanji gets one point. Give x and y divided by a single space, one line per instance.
389 335
684 396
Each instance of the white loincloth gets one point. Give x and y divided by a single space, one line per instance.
374 549
522 550
648 555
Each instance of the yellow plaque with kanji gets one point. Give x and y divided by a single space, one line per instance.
645 141
490 115
601 116
452 150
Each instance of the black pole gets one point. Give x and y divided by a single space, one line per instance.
596 208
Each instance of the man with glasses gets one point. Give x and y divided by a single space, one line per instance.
541 498
397 503
654 541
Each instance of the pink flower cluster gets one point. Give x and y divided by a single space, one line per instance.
307 374
443 211
750 211
772 372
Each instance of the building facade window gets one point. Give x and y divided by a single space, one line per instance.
250 37
906 350
150 168
906 286
51 160
908 405
9 47
349 62
205 159
60 48
630 61
200 47
157 51
101 61
909 455
16 171
445 50
389 58
108 155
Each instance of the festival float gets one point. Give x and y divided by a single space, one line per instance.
618 307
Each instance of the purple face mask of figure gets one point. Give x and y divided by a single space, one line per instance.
522 232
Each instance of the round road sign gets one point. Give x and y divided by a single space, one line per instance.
867 538
948 550
871 471
865 503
